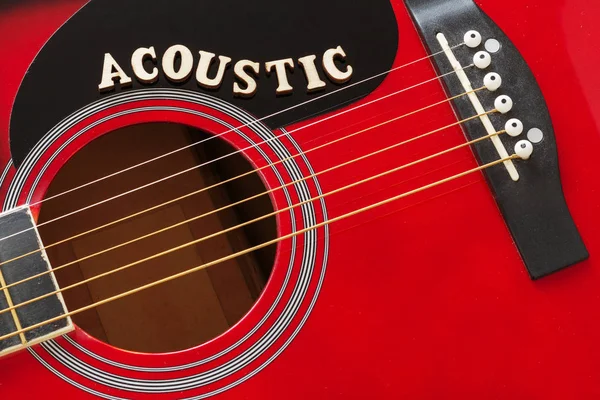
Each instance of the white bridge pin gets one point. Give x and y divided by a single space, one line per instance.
503 104
524 149
492 81
473 39
482 59
514 127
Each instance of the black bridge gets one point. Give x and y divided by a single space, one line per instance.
533 206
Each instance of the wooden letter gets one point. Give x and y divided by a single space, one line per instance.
137 63
280 68
250 82
203 66
312 75
332 70
108 76
187 63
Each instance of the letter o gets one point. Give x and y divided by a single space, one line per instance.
187 63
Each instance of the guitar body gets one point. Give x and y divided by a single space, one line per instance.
426 297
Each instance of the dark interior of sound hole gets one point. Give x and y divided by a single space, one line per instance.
184 312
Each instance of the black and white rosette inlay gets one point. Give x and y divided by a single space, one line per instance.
284 317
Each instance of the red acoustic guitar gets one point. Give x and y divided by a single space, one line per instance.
299 200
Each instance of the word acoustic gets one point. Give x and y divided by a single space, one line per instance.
177 63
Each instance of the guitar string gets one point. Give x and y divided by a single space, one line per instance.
396 211
399 210
284 185
241 201
196 192
166 178
394 185
331 235
260 246
246 125
274 213
190 220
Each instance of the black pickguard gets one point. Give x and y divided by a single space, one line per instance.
65 75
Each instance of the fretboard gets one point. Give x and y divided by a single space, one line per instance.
22 257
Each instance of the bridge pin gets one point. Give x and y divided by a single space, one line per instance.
473 39
482 59
492 81
514 127
503 104
524 149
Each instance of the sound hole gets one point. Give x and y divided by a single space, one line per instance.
184 312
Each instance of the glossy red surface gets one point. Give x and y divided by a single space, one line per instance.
423 298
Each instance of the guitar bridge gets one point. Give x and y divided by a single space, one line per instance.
26 274
530 196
